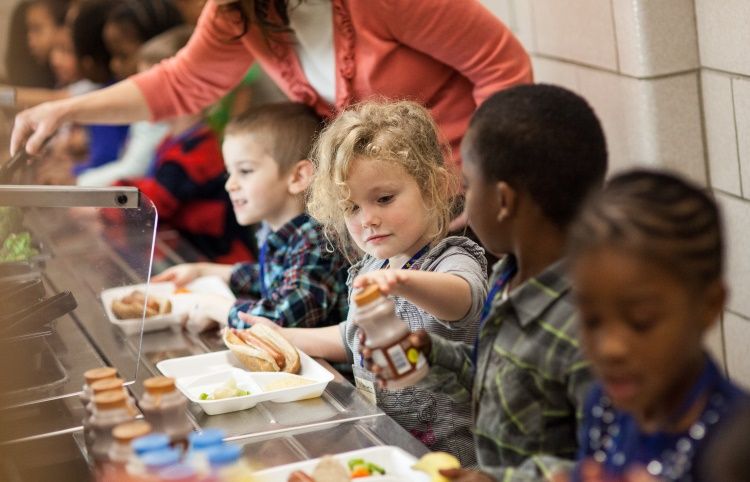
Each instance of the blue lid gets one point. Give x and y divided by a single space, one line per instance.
178 473
205 439
160 459
149 443
224 455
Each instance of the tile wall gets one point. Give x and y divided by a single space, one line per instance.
670 80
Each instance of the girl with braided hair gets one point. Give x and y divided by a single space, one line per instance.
647 258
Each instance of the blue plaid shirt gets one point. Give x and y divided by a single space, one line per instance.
304 283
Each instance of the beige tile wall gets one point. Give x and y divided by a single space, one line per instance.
670 80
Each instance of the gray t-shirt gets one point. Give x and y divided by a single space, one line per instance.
437 410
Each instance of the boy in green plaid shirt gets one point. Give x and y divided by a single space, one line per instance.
298 281
531 156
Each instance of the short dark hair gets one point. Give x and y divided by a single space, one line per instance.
56 8
541 139
290 129
146 18
87 29
658 215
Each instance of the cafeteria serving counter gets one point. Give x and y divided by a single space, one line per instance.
83 255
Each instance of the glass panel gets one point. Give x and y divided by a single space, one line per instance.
66 254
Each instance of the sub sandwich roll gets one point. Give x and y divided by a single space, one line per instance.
262 349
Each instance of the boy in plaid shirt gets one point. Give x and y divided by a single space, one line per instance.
298 281
531 156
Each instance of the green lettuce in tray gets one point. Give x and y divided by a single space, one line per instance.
17 247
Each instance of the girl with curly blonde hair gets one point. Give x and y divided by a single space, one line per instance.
383 194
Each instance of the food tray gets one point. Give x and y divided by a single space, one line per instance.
203 373
396 462
180 302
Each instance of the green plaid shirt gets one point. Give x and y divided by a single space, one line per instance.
530 380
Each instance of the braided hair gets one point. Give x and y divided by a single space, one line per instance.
146 18
659 215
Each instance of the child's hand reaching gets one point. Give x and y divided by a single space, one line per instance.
388 280
180 275
258 320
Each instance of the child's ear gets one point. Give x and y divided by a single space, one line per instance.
300 177
716 297
507 200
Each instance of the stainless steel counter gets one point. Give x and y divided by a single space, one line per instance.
272 434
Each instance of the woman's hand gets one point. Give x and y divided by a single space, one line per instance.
34 126
180 275
388 280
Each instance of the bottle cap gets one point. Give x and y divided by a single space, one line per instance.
210 437
160 459
109 400
126 432
178 473
106 385
150 443
224 455
158 385
99 374
367 295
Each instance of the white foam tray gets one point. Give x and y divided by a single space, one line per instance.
180 303
396 462
204 373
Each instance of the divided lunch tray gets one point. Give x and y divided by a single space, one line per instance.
204 373
180 302
396 462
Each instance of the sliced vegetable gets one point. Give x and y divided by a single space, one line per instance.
363 468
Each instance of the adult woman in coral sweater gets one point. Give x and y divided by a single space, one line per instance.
448 55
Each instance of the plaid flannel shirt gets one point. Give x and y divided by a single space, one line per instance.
530 379
305 283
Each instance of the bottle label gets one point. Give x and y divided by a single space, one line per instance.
401 358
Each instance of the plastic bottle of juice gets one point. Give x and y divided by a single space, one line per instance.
121 450
388 338
112 384
200 444
111 410
227 464
92 376
165 408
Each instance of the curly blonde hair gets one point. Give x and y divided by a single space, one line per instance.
400 132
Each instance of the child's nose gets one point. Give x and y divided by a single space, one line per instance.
612 344
369 218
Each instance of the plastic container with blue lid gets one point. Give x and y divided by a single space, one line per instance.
159 460
210 437
150 443
224 455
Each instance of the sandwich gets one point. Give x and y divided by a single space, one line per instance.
132 306
262 349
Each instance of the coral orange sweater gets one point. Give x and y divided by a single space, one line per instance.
448 55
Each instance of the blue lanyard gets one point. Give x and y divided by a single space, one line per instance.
412 260
497 288
262 263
